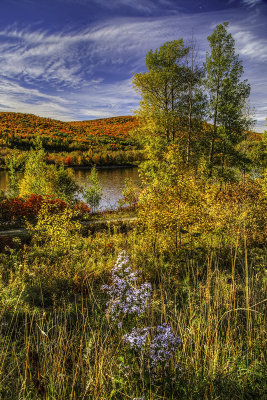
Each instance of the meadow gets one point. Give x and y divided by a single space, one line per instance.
180 316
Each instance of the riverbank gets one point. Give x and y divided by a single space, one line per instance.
77 167
95 225
99 167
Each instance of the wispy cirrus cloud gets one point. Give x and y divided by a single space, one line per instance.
73 58
106 100
144 6
14 97
100 101
250 44
38 55
251 3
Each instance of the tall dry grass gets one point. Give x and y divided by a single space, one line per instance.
66 348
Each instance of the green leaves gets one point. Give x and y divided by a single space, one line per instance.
42 179
228 96
178 94
93 193
161 87
173 102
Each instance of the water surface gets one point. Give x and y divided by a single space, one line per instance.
111 181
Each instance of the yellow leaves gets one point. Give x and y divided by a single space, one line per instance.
54 228
205 211
171 207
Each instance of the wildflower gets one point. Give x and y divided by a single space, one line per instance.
160 349
125 297
137 338
163 346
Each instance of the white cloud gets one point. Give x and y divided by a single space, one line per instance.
15 89
105 100
38 55
250 45
70 58
14 97
144 6
251 3
100 101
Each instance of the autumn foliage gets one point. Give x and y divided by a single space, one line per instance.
102 141
18 208
191 210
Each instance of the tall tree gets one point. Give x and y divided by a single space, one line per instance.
161 87
194 101
227 94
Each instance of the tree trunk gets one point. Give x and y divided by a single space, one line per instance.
214 133
189 129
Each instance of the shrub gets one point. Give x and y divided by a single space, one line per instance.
18 209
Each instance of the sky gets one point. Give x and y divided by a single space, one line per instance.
74 59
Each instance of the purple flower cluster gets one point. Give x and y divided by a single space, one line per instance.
137 338
156 345
160 349
125 297
163 345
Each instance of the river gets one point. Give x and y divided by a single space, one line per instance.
111 181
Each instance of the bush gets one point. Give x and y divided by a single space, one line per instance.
18 209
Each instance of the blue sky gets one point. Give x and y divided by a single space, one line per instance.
74 59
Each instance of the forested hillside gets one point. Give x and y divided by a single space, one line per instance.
102 141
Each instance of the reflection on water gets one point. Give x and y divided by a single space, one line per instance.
111 182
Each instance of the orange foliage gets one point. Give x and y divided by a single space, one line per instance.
25 126
82 208
16 209
98 136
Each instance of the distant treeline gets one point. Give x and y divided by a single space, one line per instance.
102 142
